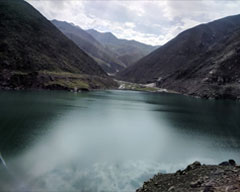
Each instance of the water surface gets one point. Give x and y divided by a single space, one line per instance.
109 140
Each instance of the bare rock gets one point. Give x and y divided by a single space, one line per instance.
198 178
196 184
195 165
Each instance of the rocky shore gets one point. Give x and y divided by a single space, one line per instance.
224 177
18 80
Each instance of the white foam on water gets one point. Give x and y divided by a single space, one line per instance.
4 163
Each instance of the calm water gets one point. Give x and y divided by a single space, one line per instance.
109 140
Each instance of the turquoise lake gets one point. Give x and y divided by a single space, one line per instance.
109 140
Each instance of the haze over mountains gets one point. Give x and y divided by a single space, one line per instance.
34 53
201 61
128 51
107 60
111 53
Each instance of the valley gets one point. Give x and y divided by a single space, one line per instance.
119 96
196 62
111 53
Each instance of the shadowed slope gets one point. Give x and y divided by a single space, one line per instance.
89 44
30 43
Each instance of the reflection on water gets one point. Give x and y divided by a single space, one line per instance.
108 140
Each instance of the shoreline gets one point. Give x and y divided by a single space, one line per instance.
197 177
124 85
116 85
47 80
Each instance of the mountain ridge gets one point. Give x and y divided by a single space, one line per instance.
127 51
90 45
111 53
184 63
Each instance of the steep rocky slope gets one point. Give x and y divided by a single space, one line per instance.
127 51
90 45
32 49
197 178
202 61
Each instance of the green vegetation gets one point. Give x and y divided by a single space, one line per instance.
19 73
71 84
62 74
150 89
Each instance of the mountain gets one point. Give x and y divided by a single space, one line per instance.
91 46
202 61
35 54
127 51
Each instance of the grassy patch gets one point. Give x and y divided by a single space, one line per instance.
72 84
62 74
19 73
152 89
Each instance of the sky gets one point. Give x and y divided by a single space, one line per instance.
152 22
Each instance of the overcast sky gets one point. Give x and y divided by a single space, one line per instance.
152 22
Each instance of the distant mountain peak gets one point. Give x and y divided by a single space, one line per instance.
91 46
128 51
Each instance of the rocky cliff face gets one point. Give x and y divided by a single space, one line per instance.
197 178
202 61
30 44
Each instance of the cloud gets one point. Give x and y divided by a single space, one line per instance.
152 22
